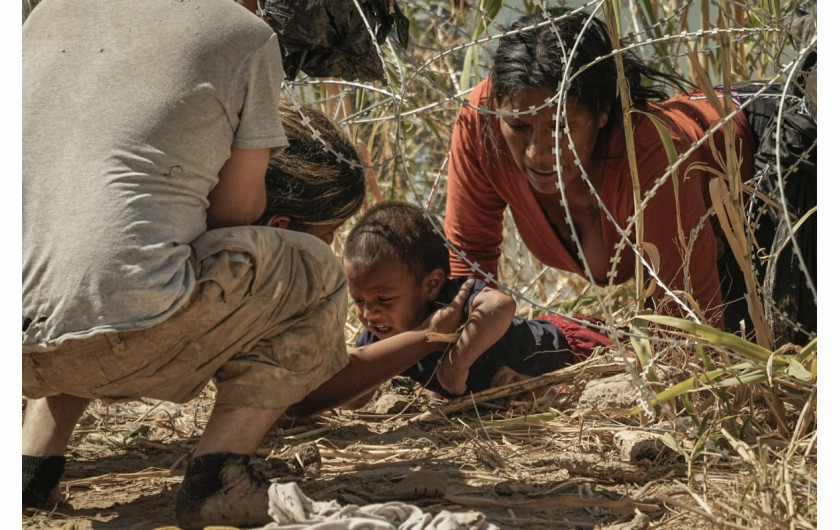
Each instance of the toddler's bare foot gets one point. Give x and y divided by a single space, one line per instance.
431 395
505 376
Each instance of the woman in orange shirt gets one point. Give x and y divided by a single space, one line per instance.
574 210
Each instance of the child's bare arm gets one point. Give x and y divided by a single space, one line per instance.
490 317
372 365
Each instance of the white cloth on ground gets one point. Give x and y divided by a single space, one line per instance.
291 509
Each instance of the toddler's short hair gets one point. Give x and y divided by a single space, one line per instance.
396 230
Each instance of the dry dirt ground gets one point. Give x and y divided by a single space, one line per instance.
523 461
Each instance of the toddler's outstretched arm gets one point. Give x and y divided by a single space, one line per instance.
490 317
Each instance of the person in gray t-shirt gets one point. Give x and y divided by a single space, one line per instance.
144 125
147 132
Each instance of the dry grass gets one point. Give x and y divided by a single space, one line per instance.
736 455
523 455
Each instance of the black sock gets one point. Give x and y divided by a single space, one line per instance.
203 476
40 477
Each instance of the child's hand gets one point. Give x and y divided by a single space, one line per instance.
453 374
490 316
449 318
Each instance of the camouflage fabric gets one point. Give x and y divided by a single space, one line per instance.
329 38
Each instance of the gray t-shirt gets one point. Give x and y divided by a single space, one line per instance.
129 111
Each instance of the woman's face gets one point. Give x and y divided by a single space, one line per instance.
530 137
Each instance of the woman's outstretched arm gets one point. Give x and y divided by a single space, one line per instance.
376 363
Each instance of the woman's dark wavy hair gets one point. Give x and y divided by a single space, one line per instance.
534 58
308 182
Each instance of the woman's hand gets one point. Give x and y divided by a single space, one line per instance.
372 365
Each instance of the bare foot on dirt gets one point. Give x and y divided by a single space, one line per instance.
505 376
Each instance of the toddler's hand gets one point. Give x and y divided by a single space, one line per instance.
451 375
450 317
